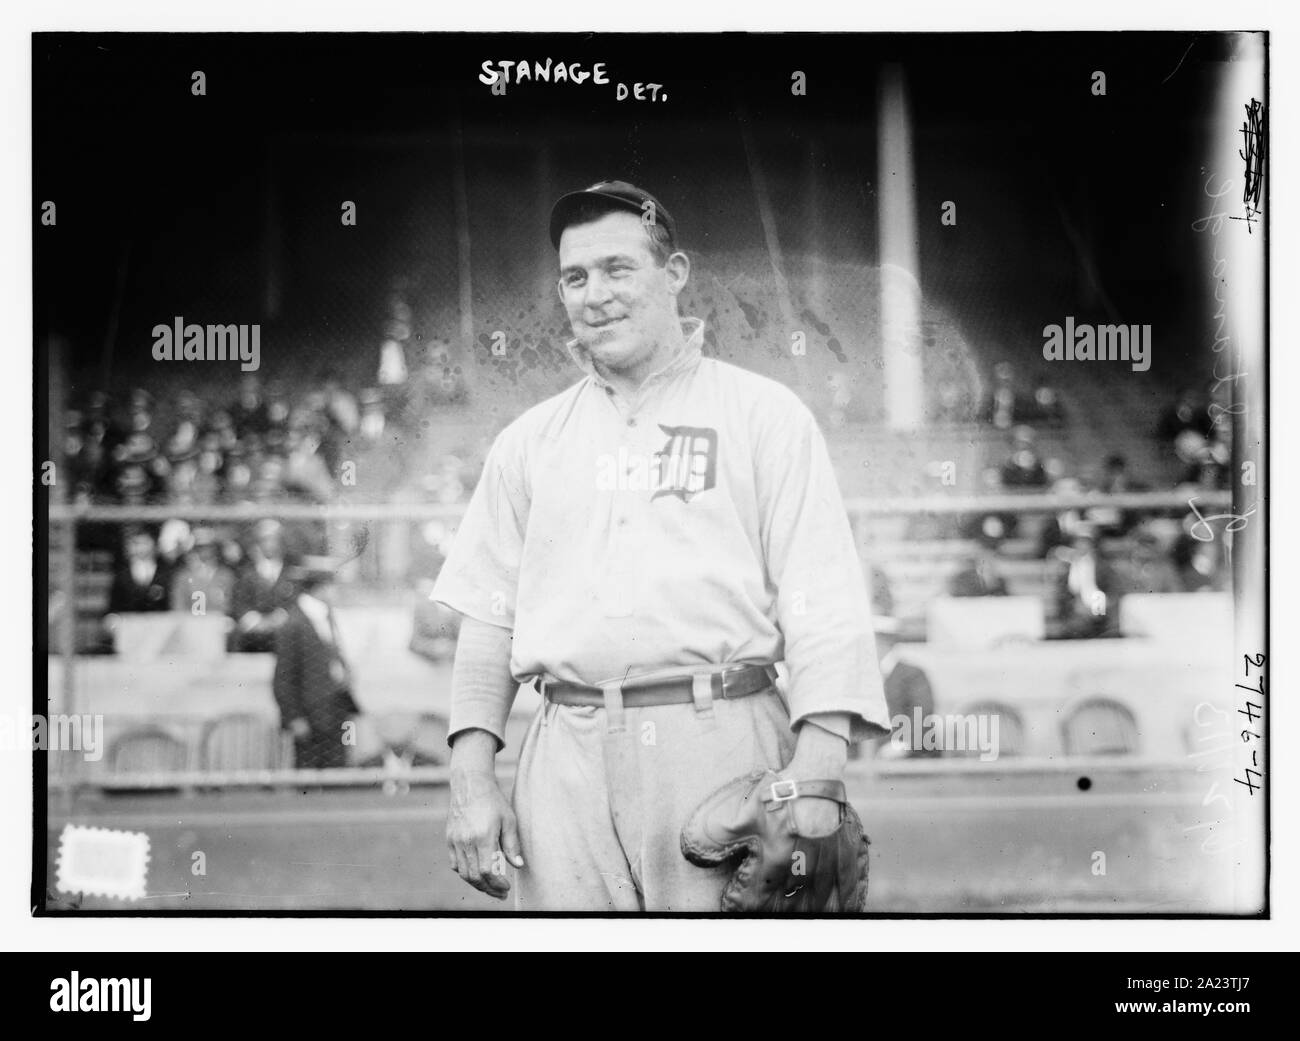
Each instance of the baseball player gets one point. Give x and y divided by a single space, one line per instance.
645 547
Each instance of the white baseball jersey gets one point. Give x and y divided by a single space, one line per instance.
699 524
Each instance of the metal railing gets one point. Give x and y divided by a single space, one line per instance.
861 512
61 513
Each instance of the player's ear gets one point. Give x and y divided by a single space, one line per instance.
559 288
678 268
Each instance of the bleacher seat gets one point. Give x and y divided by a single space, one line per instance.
240 741
1100 726
1011 728
148 749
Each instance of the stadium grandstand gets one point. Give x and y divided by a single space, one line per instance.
1034 535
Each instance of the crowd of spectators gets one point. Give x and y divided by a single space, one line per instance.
312 441
1103 552
1004 404
273 442
240 579
261 446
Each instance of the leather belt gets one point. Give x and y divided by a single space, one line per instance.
784 791
737 681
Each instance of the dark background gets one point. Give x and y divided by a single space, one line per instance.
226 207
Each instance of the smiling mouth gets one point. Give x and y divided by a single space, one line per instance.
605 323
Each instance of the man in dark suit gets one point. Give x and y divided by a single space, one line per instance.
312 683
262 592
141 581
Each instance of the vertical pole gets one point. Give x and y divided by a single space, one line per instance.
460 196
900 285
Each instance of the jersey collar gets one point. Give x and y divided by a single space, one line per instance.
685 359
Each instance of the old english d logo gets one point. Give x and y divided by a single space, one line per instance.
688 463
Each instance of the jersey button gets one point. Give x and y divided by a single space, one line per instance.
631 421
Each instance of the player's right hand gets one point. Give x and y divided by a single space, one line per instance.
482 832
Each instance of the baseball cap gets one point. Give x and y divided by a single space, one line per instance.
621 196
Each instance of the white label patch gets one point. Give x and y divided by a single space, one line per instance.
102 862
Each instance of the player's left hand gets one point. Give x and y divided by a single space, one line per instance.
813 818
819 755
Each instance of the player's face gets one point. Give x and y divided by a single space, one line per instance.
621 304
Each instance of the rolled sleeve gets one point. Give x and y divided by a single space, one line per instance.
822 603
483 689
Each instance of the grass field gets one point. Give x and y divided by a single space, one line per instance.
945 838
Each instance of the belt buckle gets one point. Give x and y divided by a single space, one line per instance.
777 796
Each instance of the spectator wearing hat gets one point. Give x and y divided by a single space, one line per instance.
209 465
1002 405
1116 480
312 683
372 415
140 581
139 473
175 537
184 442
1200 564
183 461
203 585
981 574
1207 460
262 593
1188 412
238 471
1023 468
139 413
250 416
1045 407
1090 588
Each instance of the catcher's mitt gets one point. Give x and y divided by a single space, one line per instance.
751 819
